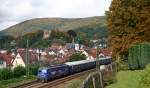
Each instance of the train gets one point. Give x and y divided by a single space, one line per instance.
49 73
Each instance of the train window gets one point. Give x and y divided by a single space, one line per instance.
39 70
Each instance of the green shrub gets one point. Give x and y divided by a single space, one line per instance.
145 78
33 69
77 57
6 73
122 65
19 71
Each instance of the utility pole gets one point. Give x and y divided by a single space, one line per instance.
97 59
39 56
27 59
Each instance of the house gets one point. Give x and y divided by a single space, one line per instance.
93 53
105 52
61 51
2 63
22 58
56 46
70 46
5 60
18 61
3 51
46 59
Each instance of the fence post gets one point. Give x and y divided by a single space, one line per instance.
101 81
93 80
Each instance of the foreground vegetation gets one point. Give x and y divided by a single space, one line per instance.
16 81
132 79
127 79
8 73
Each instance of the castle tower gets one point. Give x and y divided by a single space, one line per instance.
46 34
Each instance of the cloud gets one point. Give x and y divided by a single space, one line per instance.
14 11
7 24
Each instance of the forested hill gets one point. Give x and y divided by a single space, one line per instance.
64 24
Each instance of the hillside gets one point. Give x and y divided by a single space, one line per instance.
55 23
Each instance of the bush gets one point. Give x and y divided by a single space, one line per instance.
6 73
145 78
77 57
19 71
33 69
122 65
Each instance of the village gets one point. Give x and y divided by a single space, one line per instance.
75 44
56 54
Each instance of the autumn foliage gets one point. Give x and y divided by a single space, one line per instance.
128 23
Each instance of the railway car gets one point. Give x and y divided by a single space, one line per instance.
49 73
78 66
105 60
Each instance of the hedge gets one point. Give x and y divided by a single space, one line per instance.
19 71
33 69
139 56
7 73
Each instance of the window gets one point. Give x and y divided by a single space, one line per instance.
1 62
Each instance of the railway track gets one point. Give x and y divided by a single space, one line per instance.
53 83
27 85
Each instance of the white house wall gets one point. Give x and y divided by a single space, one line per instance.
18 61
3 65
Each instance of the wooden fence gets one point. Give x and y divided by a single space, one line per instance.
102 78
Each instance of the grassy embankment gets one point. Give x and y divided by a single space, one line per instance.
16 81
127 79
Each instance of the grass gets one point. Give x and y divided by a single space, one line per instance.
75 83
127 79
16 81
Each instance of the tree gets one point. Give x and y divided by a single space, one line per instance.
57 34
72 34
128 23
82 38
33 38
5 41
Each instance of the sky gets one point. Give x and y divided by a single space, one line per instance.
16 11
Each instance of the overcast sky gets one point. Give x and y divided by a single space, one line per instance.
15 11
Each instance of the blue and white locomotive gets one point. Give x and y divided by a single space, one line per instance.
51 72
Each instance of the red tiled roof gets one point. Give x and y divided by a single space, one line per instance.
106 52
32 56
7 58
48 58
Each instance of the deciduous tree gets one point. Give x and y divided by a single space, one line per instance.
128 23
